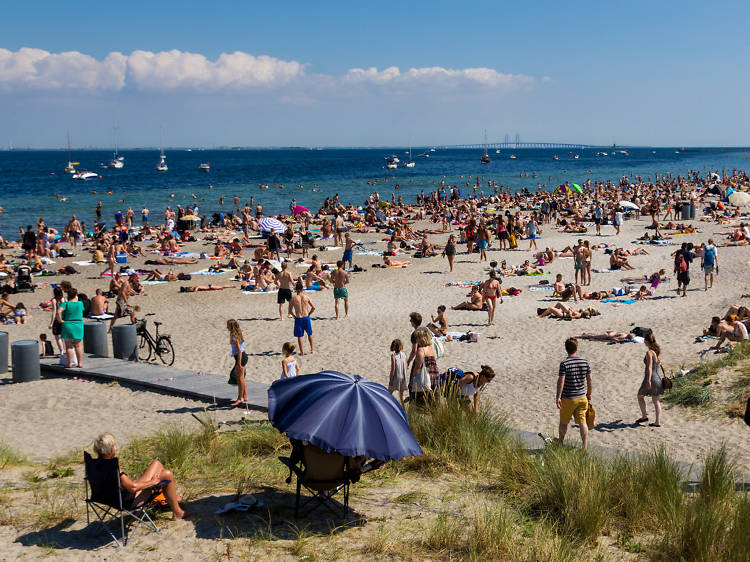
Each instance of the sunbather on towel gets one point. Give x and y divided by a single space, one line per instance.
164 260
197 288
105 447
388 262
607 336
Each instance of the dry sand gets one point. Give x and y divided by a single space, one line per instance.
51 417
524 350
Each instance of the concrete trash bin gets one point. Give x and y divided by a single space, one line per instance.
95 338
3 352
25 357
125 342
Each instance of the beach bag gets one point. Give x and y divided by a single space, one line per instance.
422 382
666 382
439 347
591 416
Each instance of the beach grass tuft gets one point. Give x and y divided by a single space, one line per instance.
10 457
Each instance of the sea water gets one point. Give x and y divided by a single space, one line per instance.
29 179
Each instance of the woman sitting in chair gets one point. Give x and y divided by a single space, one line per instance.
106 448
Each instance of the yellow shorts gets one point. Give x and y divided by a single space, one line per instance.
575 408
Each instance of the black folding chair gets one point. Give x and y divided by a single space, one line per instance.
323 475
105 497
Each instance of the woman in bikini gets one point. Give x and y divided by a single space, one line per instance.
492 290
476 301
237 343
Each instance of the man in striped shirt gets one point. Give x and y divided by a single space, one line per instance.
572 395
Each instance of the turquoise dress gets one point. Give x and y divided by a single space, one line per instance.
72 315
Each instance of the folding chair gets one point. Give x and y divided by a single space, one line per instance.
322 474
107 498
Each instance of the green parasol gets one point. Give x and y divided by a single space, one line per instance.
577 188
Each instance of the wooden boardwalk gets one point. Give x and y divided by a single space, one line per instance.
181 382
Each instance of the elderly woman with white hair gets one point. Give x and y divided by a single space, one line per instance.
105 447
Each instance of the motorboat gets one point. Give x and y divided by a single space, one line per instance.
205 167
393 158
390 163
497 151
625 152
423 155
85 175
432 149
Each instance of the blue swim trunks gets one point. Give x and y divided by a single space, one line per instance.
347 256
482 244
302 326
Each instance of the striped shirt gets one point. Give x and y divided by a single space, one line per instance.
575 370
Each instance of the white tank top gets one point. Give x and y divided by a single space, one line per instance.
291 368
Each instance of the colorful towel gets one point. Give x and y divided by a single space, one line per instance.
626 301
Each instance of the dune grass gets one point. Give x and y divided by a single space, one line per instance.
10 457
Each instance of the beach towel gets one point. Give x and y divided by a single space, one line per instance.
84 263
455 336
607 270
207 272
541 288
260 292
463 284
101 316
369 253
621 301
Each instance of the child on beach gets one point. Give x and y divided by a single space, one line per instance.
289 364
397 381
237 343
46 346
20 313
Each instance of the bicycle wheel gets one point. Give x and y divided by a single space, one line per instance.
144 348
164 350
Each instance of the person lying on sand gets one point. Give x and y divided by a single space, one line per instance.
197 288
157 275
717 327
562 310
163 260
475 302
742 312
607 336
388 262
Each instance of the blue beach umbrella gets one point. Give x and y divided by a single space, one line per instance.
345 413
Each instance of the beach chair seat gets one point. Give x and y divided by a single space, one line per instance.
323 475
107 500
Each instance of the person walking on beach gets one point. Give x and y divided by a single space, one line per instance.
348 251
572 394
598 215
578 262
483 239
652 384
237 343
284 280
491 292
450 251
532 228
340 279
682 259
290 366
709 263
301 307
397 381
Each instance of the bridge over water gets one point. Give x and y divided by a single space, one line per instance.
508 144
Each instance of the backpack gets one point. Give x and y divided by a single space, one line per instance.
709 256
747 412
681 263
86 303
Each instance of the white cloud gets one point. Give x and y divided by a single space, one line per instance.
36 69
438 76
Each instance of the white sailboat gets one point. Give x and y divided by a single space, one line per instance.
204 167
410 163
485 157
117 162
71 167
162 165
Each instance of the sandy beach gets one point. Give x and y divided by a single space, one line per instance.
524 350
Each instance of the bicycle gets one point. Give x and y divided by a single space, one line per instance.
157 345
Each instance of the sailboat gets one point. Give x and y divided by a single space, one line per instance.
485 157
410 163
117 162
162 165
71 167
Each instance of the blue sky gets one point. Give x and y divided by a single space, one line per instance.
335 73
